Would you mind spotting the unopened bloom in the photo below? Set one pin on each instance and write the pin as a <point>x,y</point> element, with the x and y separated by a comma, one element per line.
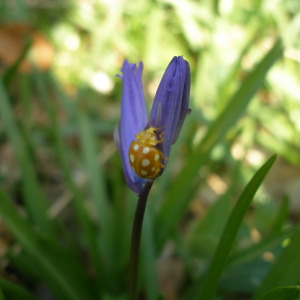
<point>143,142</point>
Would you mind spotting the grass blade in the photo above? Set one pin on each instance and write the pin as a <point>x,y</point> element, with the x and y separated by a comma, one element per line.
<point>99,196</point>
<point>13,291</point>
<point>89,233</point>
<point>282,293</point>
<point>171,214</point>
<point>35,199</point>
<point>96,176</point>
<point>11,71</point>
<point>266,244</point>
<point>228,236</point>
<point>1,295</point>
<point>281,215</point>
<point>148,255</point>
<point>285,270</point>
<point>69,285</point>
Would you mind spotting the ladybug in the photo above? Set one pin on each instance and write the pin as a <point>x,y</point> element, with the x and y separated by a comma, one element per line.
<point>144,158</point>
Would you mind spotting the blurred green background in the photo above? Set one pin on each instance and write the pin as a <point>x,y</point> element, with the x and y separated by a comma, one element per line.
<point>60,101</point>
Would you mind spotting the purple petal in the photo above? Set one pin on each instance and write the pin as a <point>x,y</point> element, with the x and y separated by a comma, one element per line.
<point>171,102</point>
<point>133,119</point>
<point>185,110</point>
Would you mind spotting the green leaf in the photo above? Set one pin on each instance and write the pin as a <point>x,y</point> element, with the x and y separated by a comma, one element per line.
<point>36,202</point>
<point>96,185</point>
<point>285,270</point>
<point>284,148</point>
<point>281,215</point>
<point>228,236</point>
<point>13,291</point>
<point>148,256</point>
<point>204,235</point>
<point>1,294</point>
<point>180,191</point>
<point>59,269</point>
<point>11,71</point>
<point>256,250</point>
<point>282,293</point>
<point>89,232</point>
<point>94,169</point>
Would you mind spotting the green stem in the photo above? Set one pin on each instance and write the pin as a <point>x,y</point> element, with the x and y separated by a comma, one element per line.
<point>136,240</point>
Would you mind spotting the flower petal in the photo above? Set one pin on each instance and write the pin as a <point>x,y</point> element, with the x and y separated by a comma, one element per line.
<point>133,119</point>
<point>171,102</point>
<point>185,110</point>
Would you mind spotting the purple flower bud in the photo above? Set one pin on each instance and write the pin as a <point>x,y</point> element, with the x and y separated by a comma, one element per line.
<point>171,102</point>
<point>170,107</point>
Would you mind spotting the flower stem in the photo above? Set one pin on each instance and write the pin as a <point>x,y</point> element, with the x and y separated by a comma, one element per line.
<point>136,240</point>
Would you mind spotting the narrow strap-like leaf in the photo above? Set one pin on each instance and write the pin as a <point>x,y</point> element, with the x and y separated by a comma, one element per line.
<point>220,257</point>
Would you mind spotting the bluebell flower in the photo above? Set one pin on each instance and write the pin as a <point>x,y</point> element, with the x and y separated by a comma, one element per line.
<point>158,132</point>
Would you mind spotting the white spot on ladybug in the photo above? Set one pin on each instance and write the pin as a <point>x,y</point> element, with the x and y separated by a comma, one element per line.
<point>156,157</point>
<point>146,150</point>
<point>136,147</point>
<point>144,172</point>
<point>145,162</point>
<point>131,156</point>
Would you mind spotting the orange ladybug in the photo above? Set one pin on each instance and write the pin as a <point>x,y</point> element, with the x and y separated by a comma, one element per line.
<point>144,158</point>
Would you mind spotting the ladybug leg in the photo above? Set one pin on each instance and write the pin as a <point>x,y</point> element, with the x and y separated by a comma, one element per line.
<point>163,157</point>
<point>160,137</point>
